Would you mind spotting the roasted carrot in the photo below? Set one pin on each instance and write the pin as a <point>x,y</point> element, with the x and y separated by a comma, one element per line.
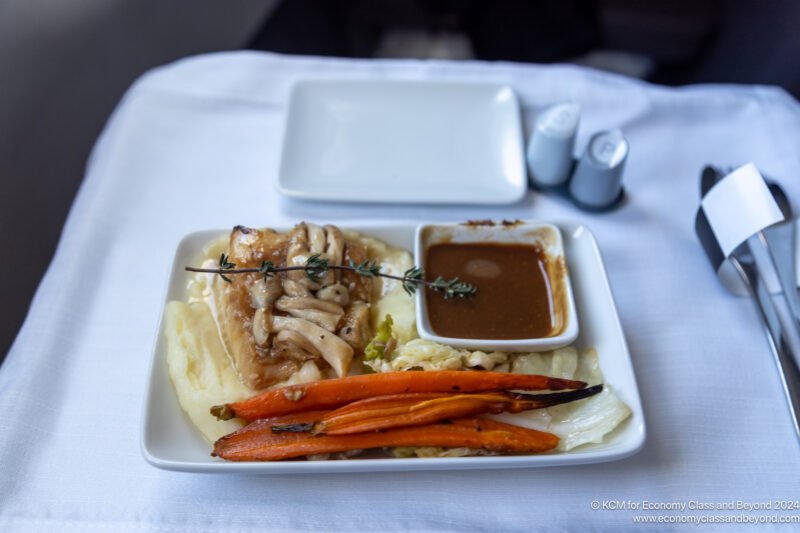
<point>242,439</point>
<point>334,393</point>
<point>261,444</point>
<point>415,409</point>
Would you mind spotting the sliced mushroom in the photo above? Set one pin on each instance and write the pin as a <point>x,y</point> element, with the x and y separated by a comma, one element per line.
<point>292,344</point>
<point>288,304</point>
<point>320,312</point>
<point>262,324</point>
<point>335,244</point>
<point>297,255</point>
<point>318,244</point>
<point>337,293</point>
<point>334,350</point>
<point>329,321</point>
<point>316,239</point>
<point>264,293</point>
<point>333,247</point>
<point>356,330</point>
<point>295,288</point>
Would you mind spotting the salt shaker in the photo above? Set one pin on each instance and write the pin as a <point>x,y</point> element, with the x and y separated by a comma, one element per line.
<point>552,143</point>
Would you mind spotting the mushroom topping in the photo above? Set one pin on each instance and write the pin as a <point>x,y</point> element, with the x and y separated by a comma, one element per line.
<point>273,326</point>
<point>334,350</point>
<point>295,288</point>
<point>333,252</point>
<point>262,321</point>
<point>322,319</point>
<point>298,340</point>
<point>316,239</point>
<point>290,344</point>
<point>323,313</point>
<point>337,293</point>
<point>288,304</point>
<point>335,244</point>
<point>355,329</point>
<point>264,293</point>
<point>319,242</point>
<point>297,255</point>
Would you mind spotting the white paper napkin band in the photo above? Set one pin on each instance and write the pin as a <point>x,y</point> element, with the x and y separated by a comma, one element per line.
<point>735,209</point>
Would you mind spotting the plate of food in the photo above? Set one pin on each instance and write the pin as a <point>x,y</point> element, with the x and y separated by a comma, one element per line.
<point>296,350</point>
<point>385,141</point>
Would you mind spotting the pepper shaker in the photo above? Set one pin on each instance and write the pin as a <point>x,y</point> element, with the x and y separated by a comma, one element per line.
<point>597,181</point>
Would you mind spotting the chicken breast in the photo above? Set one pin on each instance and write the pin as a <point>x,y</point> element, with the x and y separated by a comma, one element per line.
<point>272,327</point>
<point>235,302</point>
<point>360,287</point>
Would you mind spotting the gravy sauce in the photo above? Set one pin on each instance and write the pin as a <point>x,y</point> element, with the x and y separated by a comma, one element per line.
<point>515,292</point>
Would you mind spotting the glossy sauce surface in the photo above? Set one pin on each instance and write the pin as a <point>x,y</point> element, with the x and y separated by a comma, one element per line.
<point>514,299</point>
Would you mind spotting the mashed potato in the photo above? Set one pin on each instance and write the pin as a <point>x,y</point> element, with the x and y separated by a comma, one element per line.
<point>199,367</point>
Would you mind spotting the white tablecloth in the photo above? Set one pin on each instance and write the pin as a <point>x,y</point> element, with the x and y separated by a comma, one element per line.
<point>196,145</point>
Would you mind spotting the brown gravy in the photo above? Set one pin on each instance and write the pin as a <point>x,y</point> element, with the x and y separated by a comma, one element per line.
<point>515,297</point>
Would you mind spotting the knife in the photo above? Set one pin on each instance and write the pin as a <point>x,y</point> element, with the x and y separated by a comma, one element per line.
<point>780,240</point>
<point>779,344</point>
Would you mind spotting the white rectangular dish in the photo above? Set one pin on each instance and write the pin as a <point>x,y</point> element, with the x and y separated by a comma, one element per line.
<point>169,440</point>
<point>388,141</point>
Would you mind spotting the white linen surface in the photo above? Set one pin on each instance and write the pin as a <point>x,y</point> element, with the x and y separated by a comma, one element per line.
<point>196,145</point>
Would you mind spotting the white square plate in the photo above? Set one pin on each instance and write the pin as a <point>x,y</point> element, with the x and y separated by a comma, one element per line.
<point>403,142</point>
<point>170,441</point>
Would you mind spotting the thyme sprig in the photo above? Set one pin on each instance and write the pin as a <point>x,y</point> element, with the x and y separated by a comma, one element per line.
<point>368,269</point>
<point>413,276</point>
<point>224,266</point>
<point>317,266</point>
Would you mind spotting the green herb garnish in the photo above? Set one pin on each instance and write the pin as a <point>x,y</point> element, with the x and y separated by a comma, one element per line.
<point>317,266</point>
